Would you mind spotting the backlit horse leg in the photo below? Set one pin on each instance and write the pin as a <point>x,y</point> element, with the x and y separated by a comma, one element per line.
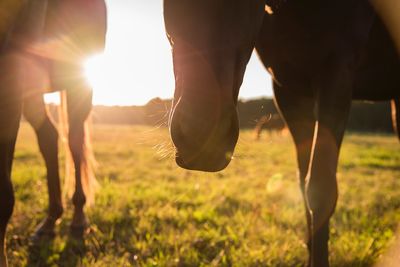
<point>297,111</point>
<point>10,110</point>
<point>396,116</point>
<point>321,193</point>
<point>35,112</point>
<point>6,188</point>
<point>79,104</point>
<point>333,105</point>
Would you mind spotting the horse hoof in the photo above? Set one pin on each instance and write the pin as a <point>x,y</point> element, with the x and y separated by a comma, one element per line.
<point>41,235</point>
<point>45,230</point>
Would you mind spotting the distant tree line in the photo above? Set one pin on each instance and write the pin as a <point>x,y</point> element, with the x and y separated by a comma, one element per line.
<point>364,116</point>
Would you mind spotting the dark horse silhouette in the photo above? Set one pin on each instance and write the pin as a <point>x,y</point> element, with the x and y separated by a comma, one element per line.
<point>321,54</point>
<point>42,47</point>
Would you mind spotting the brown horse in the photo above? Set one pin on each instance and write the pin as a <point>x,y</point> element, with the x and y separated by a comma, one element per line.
<point>43,46</point>
<point>270,123</point>
<point>321,56</point>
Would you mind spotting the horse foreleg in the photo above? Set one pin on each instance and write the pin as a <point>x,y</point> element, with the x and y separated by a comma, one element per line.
<point>297,111</point>
<point>10,110</point>
<point>79,104</point>
<point>396,116</point>
<point>35,113</point>
<point>333,105</point>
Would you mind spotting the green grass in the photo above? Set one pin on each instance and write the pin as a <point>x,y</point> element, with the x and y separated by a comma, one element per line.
<point>149,212</point>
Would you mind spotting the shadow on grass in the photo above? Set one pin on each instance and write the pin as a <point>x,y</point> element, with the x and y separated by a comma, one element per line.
<point>73,252</point>
<point>42,253</point>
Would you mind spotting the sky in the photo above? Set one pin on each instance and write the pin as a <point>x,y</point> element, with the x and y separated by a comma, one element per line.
<point>137,64</point>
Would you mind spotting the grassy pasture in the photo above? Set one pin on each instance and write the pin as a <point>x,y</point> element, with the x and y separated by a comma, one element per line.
<point>148,212</point>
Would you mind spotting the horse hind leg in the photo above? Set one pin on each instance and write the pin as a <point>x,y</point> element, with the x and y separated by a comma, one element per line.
<point>36,114</point>
<point>10,110</point>
<point>395,103</point>
<point>79,104</point>
<point>6,190</point>
<point>7,144</point>
<point>298,114</point>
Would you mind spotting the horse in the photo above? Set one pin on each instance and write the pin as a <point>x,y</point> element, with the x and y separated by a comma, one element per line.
<point>270,123</point>
<point>42,48</point>
<point>321,55</point>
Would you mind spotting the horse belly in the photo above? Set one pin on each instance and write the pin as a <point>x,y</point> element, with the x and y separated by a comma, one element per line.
<point>378,75</point>
<point>380,83</point>
<point>74,30</point>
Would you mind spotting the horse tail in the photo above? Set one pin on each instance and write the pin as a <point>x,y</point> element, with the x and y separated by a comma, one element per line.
<point>68,187</point>
<point>88,162</point>
<point>395,103</point>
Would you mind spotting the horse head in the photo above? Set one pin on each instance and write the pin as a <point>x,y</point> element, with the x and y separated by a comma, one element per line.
<point>212,41</point>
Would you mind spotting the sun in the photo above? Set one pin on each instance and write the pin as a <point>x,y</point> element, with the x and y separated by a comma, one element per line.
<point>94,69</point>
<point>101,73</point>
<point>136,64</point>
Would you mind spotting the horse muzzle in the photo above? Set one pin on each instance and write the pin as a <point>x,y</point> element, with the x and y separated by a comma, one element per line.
<point>204,141</point>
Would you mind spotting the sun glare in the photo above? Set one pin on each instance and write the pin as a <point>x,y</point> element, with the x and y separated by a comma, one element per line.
<point>94,67</point>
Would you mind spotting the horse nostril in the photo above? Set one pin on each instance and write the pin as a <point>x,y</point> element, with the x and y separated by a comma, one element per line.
<point>180,161</point>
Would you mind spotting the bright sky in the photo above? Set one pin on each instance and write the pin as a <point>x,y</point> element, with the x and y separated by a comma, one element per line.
<point>137,64</point>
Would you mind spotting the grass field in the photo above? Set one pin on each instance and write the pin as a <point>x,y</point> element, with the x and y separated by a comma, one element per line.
<point>149,212</point>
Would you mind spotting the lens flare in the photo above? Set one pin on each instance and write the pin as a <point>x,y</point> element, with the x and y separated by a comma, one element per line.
<point>94,69</point>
